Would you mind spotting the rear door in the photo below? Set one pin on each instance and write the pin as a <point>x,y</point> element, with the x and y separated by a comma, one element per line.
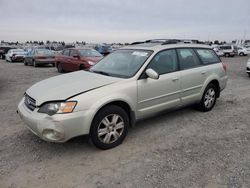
<point>192,75</point>
<point>157,95</point>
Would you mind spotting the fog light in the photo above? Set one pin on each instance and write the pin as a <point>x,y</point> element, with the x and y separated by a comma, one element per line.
<point>52,135</point>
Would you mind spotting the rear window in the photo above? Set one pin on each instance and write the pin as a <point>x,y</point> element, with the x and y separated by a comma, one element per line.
<point>207,56</point>
<point>89,53</point>
<point>44,52</point>
<point>187,58</point>
<point>226,47</point>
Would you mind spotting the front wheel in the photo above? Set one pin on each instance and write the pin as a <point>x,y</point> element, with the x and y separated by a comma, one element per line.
<point>109,127</point>
<point>249,74</point>
<point>209,98</point>
<point>60,68</point>
<point>35,63</point>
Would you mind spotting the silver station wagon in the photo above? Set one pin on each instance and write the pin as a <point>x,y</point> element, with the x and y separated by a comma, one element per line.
<point>132,83</point>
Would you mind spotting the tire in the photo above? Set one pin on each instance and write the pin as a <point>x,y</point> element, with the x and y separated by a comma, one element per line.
<point>227,54</point>
<point>11,60</point>
<point>81,67</point>
<point>60,68</point>
<point>209,98</point>
<point>25,62</point>
<point>249,74</point>
<point>35,63</point>
<point>241,54</point>
<point>53,64</point>
<point>114,123</point>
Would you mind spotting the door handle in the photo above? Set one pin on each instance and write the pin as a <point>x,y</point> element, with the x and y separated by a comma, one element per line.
<point>175,79</point>
<point>204,72</point>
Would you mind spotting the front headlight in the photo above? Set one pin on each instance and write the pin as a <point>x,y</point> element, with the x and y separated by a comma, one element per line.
<point>91,63</point>
<point>58,107</point>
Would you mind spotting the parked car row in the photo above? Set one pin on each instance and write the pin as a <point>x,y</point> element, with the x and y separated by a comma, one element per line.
<point>38,57</point>
<point>231,50</point>
<point>70,59</point>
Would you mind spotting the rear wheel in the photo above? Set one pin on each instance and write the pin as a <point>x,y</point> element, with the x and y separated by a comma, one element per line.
<point>53,64</point>
<point>241,54</point>
<point>249,74</point>
<point>60,68</point>
<point>25,62</point>
<point>209,98</point>
<point>227,54</point>
<point>109,127</point>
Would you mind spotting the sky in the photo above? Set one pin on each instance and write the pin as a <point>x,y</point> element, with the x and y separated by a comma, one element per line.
<point>123,20</point>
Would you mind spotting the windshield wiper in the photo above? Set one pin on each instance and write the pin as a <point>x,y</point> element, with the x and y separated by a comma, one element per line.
<point>101,72</point>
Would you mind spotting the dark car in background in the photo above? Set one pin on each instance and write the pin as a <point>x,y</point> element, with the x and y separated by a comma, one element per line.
<point>38,57</point>
<point>74,59</point>
<point>4,50</point>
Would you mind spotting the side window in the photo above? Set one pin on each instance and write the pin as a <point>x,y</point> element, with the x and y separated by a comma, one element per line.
<point>207,56</point>
<point>164,62</point>
<point>66,52</point>
<point>73,53</point>
<point>187,58</point>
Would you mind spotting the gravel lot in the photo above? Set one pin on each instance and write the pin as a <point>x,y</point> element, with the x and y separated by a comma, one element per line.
<point>184,148</point>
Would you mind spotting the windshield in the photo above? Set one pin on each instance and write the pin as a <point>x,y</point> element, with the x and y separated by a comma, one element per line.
<point>18,50</point>
<point>122,63</point>
<point>44,52</point>
<point>89,53</point>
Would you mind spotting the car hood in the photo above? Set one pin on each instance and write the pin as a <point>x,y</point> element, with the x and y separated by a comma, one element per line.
<point>65,86</point>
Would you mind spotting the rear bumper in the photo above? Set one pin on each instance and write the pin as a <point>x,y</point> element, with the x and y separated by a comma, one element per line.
<point>223,82</point>
<point>45,61</point>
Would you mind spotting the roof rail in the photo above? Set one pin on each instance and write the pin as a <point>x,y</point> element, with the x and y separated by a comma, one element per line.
<point>172,41</point>
<point>160,41</point>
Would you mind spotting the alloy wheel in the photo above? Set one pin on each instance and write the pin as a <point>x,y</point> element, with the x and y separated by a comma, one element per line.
<point>110,128</point>
<point>209,98</point>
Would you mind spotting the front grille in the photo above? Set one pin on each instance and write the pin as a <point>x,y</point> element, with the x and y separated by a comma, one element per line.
<point>29,102</point>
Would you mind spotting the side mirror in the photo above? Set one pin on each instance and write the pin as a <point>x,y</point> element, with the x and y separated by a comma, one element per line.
<point>152,74</point>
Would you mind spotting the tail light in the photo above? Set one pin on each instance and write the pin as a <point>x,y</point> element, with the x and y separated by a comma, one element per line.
<point>224,66</point>
<point>41,57</point>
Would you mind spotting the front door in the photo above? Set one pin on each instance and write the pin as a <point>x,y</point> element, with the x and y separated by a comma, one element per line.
<point>163,93</point>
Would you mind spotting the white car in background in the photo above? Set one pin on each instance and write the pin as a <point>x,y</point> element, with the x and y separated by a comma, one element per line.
<point>248,67</point>
<point>15,55</point>
<point>218,51</point>
<point>242,51</point>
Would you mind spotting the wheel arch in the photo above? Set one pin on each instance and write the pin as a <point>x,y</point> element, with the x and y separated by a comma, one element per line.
<point>217,85</point>
<point>212,80</point>
<point>122,104</point>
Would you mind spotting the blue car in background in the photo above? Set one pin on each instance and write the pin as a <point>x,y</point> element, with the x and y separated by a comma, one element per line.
<point>103,49</point>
